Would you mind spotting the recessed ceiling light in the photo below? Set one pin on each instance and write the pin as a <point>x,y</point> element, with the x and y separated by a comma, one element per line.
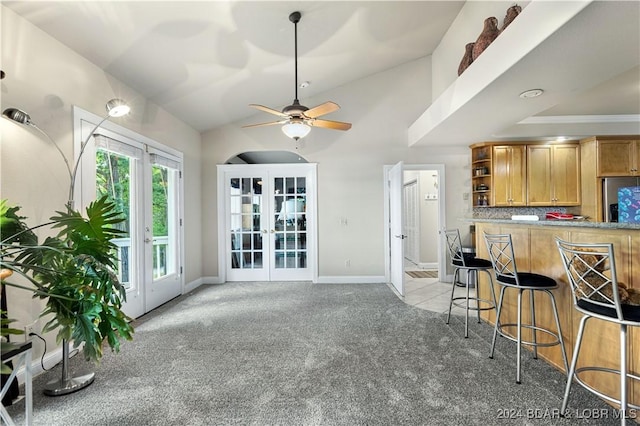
<point>304,84</point>
<point>533,93</point>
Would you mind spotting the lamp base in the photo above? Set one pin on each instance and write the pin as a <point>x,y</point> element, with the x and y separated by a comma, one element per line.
<point>70,385</point>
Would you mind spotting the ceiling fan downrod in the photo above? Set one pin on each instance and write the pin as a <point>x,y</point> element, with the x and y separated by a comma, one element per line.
<point>295,18</point>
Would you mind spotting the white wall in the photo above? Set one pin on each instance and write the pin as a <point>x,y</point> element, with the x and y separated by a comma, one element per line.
<point>350,166</point>
<point>45,78</point>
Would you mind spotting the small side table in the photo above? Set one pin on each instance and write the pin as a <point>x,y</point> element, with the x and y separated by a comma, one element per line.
<point>22,355</point>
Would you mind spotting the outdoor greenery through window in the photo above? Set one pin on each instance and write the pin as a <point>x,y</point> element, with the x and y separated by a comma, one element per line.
<point>113,179</point>
<point>160,188</point>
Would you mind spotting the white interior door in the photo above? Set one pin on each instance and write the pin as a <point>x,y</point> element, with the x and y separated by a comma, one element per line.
<point>269,223</point>
<point>396,237</point>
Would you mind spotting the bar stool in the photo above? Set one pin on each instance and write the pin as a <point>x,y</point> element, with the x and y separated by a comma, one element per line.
<point>500,248</point>
<point>472,265</point>
<point>595,295</point>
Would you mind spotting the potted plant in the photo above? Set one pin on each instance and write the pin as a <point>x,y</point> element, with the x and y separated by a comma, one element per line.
<point>73,271</point>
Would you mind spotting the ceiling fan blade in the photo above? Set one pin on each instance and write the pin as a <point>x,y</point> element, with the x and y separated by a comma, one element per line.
<point>336,125</point>
<point>271,123</point>
<point>269,110</point>
<point>322,109</point>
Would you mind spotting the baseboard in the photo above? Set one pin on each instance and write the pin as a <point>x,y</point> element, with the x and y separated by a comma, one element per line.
<point>50,360</point>
<point>351,279</point>
<point>211,280</point>
<point>428,265</point>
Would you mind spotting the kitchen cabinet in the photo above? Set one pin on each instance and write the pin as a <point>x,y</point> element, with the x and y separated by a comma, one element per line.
<point>553,175</point>
<point>509,176</point>
<point>481,175</point>
<point>618,157</point>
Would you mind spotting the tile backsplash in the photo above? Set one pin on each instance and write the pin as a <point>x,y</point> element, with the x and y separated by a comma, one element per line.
<point>507,212</point>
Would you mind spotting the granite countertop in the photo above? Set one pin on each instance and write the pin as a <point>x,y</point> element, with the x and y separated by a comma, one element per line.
<point>572,223</point>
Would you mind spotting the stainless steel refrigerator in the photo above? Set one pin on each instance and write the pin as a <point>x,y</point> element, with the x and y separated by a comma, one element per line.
<point>610,188</point>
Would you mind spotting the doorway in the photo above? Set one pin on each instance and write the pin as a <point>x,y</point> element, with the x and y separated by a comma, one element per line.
<point>414,212</point>
<point>144,180</point>
<point>268,230</point>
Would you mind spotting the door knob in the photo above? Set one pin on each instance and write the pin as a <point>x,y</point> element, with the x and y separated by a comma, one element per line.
<point>148,240</point>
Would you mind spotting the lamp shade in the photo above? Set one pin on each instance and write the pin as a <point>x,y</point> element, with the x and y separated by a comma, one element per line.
<point>18,115</point>
<point>296,129</point>
<point>117,108</point>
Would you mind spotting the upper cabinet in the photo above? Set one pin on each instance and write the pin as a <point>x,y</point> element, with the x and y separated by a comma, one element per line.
<point>553,175</point>
<point>617,157</point>
<point>481,175</point>
<point>509,176</point>
<point>535,174</point>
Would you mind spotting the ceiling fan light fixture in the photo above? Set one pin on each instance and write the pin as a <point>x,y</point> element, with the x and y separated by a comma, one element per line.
<point>296,129</point>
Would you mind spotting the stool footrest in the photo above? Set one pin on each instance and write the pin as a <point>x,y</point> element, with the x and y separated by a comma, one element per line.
<point>597,392</point>
<point>473,308</point>
<point>530,327</point>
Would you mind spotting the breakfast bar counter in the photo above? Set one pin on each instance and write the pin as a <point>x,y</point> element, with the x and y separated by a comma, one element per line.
<point>536,251</point>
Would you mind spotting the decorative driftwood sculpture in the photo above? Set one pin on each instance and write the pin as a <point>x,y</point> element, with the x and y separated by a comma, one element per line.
<point>512,12</point>
<point>486,37</point>
<point>467,59</point>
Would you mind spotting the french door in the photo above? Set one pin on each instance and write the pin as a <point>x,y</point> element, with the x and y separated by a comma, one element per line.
<point>144,183</point>
<point>269,222</point>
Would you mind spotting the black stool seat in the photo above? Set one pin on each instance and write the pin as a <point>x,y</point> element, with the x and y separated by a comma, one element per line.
<point>528,279</point>
<point>629,312</point>
<point>472,262</point>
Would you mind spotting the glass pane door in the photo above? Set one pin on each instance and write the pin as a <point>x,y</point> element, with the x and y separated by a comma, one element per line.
<point>269,234</point>
<point>246,231</point>
<point>117,175</point>
<point>162,235</point>
<point>114,179</point>
<point>144,182</point>
<point>290,224</point>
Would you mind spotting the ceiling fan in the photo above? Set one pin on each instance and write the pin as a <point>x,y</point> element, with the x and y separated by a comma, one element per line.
<point>297,119</point>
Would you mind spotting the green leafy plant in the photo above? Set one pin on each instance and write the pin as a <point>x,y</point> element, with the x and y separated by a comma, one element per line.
<point>73,271</point>
<point>7,346</point>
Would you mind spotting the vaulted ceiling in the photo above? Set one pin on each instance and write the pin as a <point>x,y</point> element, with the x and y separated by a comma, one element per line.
<point>205,61</point>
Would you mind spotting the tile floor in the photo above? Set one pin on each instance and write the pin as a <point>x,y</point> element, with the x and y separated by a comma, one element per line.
<point>432,295</point>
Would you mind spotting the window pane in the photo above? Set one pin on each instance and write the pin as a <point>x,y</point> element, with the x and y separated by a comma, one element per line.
<point>114,179</point>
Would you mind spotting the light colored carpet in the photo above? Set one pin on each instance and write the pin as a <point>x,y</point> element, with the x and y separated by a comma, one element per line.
<point>307,354</point>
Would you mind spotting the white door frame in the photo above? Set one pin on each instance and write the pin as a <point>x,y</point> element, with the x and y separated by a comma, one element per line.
<point>311,209</point>
<point>440,168</point>
<point>85,192</point>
